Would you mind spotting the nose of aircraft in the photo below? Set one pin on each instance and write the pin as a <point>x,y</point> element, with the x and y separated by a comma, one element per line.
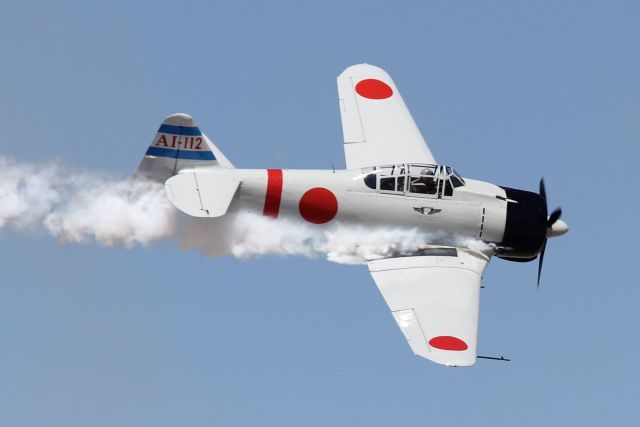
<point>526,223</point>
<point>558,228</point>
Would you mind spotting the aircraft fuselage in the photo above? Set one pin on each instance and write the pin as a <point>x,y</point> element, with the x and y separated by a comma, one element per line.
<point>475,210</point>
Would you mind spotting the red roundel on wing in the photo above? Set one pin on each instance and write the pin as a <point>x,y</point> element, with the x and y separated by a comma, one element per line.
<point>318,205</point>
<point>374,89</point>
<point>444,342</point>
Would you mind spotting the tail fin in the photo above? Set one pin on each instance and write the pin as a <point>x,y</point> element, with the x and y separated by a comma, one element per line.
<point>178,145</point>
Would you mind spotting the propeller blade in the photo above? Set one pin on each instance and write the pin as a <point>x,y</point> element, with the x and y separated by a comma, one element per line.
<point>555,215</point>
<point>543,191</point>
<point>544,246</point>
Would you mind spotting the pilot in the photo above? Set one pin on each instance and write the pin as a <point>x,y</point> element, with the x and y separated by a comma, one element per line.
<point>425,183</point>
<point>427,171</point>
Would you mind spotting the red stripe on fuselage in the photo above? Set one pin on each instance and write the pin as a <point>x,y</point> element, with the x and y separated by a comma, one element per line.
<point>274,193</point>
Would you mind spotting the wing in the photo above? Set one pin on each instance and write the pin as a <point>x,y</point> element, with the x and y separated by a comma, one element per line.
<point>435,300</point>
<point>377,126</point>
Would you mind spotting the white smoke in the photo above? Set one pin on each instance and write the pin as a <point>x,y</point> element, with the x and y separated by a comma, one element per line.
<point>80,206</point>
<point>247,235</point>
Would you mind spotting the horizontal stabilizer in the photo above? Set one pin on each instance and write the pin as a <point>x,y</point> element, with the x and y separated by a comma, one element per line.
<point>201,194</point>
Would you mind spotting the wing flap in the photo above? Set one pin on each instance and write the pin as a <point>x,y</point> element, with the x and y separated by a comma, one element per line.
<point>351,124</point>
<point>435,301</point>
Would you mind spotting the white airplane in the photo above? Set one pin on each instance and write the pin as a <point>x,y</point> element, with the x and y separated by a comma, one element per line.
<point>391,179</point>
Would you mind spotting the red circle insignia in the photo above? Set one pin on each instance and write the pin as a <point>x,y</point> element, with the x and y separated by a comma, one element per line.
<point>445,342</point>
<point>374,89</point>
<point>318,205</point>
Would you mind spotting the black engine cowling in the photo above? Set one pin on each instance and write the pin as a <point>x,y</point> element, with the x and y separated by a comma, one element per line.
<point>526,225</point>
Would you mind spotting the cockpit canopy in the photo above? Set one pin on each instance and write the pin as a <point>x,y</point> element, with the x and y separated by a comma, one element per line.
<point>413,178</point>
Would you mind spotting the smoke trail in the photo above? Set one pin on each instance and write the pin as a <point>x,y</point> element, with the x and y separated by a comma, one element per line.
<point>247,235</point>
<point>80,206</point>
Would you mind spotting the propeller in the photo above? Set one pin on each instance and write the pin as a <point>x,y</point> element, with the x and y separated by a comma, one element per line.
<point>553,218</point>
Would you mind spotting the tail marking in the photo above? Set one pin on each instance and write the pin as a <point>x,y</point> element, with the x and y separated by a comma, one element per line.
<point>180,142</point>
<point>274,193</point>
<point>180,154</point>
<point>179,130</point>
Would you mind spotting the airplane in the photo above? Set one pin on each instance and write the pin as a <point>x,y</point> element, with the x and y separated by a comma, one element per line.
<point>391,178</point>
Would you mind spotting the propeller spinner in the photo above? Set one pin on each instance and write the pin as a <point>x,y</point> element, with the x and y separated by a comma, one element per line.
<point>555,227</point>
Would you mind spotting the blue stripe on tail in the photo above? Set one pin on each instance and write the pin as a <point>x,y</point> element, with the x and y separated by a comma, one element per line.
<point>180,154</point>
<point>179,130</point>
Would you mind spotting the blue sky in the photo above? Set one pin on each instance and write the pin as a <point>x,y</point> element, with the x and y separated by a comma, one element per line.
<point>504,91</point>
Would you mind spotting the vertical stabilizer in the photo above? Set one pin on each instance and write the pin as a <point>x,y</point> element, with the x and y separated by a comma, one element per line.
<point>179,144</point>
